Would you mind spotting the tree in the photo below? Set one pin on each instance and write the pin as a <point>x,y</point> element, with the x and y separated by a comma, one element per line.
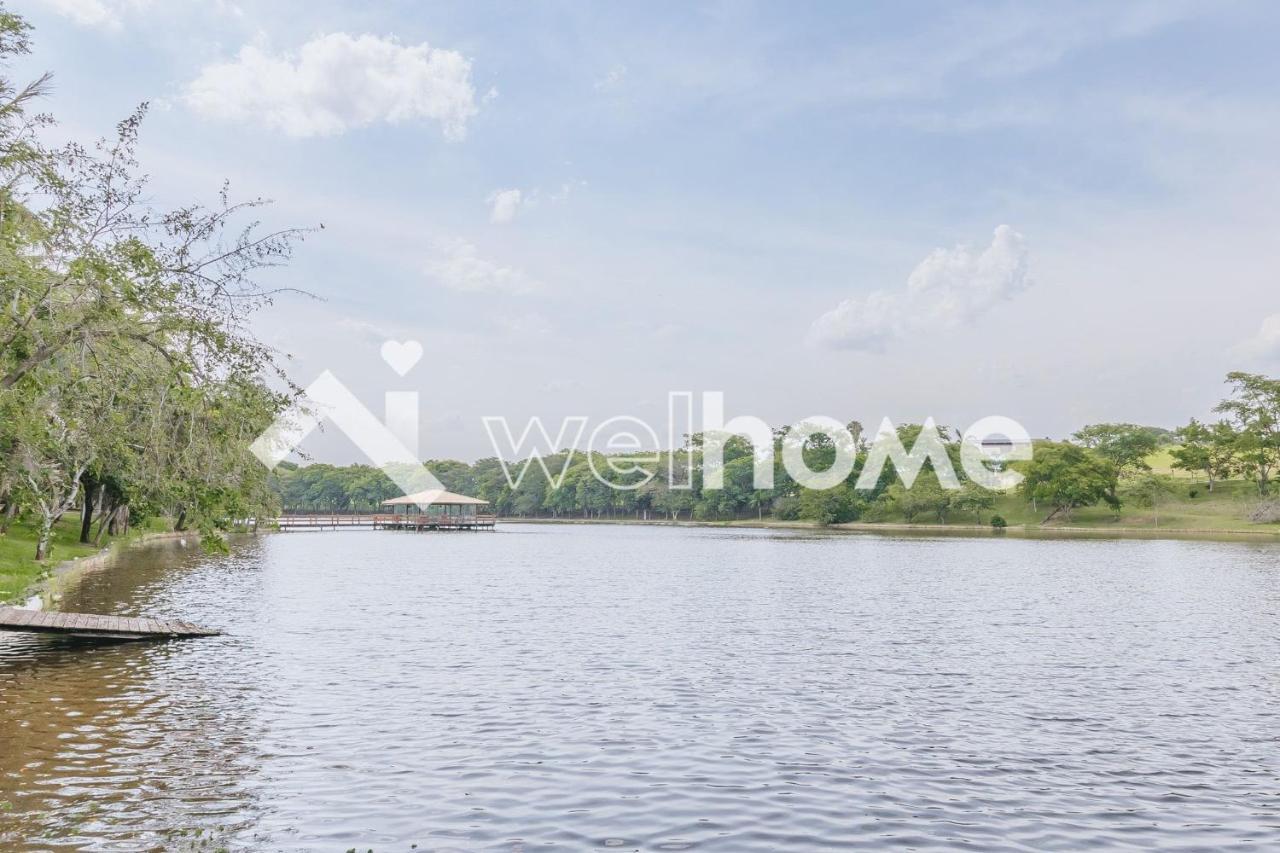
<point>1125,447</point>
<point>1254,408</point>
<point>1067,476</point>
<point>1152,490</point>
<point>836,505</point>
<point>925,497</point>
<point>127,376</point>
<point>973,498</point>
<point>1208,449</point>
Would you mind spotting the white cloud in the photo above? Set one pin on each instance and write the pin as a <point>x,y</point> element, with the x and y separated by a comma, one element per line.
<point>947,288</point>
<point>566,189</point>
<point>611,80</point>
<point>505,205</point>
<point>337,82</point>
<point>111,15</point>
<point>1263,346</point>
<point>456,264</point>
<point>92,13</point>
<point>530,324</point>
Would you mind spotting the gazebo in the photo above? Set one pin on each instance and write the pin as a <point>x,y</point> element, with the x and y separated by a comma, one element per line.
<point>435,509</point>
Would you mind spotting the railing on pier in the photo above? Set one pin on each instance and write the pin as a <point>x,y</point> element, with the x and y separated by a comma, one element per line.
<point>435,522</point>
<point>386,521</point>
<point>316,521</point>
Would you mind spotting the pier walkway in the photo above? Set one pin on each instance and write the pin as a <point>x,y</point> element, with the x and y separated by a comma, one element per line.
<point>387,521</point>
<point>87,625</point>
<point>323,522</point>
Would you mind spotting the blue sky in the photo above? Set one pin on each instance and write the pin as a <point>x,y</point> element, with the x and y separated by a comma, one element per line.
<point>755,198</point>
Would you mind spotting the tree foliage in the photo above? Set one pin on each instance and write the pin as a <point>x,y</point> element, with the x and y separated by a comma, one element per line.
<point>128,379</point>
<point>1254,411</point>
<point>1208,449</point>
<point>1066,476</point>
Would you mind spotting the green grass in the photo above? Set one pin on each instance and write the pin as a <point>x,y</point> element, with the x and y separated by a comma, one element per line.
<point>1161,462</point>
<point>1226,509</point>
<point>18,567</point>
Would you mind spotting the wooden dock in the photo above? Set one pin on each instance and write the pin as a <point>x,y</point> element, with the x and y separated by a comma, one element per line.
<point>323,522</point>
<point>386,521</point>
<point>106,627</point>
<point>422,523</point>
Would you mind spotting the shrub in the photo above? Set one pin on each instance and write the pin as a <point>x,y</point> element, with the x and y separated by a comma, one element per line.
<point>998,522</point>
<point>786,509</point>
<point>878,511</point>
<point>1194,492</point>
<point>1267,512</point>
<point>828,506</point>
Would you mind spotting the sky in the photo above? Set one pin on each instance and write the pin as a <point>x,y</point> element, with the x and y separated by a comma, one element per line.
<point>1062,214</point>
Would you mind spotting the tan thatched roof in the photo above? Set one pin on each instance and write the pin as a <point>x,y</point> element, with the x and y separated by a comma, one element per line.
<point>434,496</point>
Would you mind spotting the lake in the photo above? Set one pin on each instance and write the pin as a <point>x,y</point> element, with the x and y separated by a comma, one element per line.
<point>657,688</point>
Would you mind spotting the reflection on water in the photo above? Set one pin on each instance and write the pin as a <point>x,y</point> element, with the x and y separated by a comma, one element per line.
<point>656,688</point>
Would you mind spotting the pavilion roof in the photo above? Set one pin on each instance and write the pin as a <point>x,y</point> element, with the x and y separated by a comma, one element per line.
<point>434,496</point>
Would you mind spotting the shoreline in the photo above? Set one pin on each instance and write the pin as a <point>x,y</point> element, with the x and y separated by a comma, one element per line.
<point>891,528</point>
<point>46,593</point>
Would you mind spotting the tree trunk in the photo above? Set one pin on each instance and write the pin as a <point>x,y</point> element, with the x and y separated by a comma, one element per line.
<point>181,524</point>
<point>1050,516</point>
<point>46,532</point>
<point>107,522</point>
<point>86,517</point>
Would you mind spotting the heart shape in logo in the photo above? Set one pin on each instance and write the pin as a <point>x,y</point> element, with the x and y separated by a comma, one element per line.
<point>402,356</point>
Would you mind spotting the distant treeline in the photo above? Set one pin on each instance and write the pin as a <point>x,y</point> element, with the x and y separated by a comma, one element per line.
<point>1090,468</point>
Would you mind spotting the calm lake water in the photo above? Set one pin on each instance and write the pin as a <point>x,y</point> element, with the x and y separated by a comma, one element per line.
<point>651,688</point>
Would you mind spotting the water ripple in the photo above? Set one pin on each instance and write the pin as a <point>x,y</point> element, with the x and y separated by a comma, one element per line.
<point>657,689</point>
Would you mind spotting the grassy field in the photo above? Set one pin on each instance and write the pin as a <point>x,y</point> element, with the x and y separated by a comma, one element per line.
<point>1161,462</point>
<point>1225,509</point>
<point>18,568</point>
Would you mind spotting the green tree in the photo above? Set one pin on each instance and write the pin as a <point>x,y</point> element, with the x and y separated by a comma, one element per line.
<point>1152,491</point>
<point>1208,449</point>
<point>973,499</point>
<point>836,505</point>
<point>128,380</point>
<point>1066,476</point>
<point>1254,408</point>
<point>1125,447</point>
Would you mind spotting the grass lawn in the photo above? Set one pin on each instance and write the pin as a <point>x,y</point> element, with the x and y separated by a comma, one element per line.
<point>18,568</point>
<point>1227,508</point>
<point>1161,462</point>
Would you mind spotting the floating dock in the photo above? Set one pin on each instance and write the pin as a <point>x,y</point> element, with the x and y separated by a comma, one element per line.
<point>105,627</point>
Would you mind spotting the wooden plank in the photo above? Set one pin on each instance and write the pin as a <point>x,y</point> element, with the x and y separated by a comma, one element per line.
<point>88,624</point>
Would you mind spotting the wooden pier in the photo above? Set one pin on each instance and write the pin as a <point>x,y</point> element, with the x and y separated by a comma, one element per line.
<point>324,522</point>
<point>387,521</point>
<point>435,522</point>
<point>105,627</point>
